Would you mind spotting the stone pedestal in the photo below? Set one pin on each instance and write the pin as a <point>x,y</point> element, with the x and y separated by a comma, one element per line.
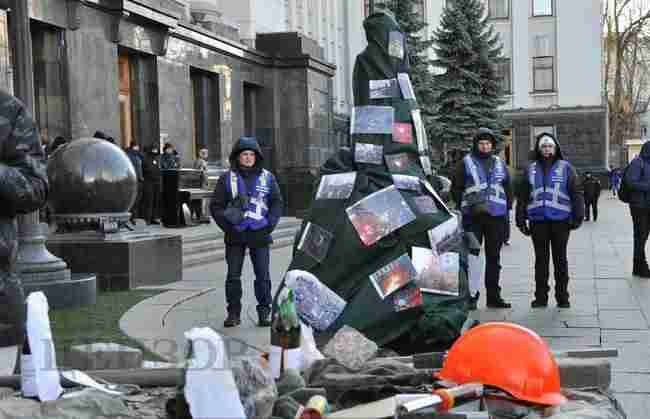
<point>122,261</point>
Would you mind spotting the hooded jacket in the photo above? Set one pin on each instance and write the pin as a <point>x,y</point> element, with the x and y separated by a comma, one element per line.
<point>458,175</point>
<point>637,177</point>
<point>23,189</point>
<point>574,185</point>
<point>221,197</point>
<point>151,166</point>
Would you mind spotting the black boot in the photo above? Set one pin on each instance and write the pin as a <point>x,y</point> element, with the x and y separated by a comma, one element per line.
<point>641,269</point>
<point>539,303</point>
<point>264,316</point>
<point>473,301</point>
<point>494,300</point>
<point>232,320</point>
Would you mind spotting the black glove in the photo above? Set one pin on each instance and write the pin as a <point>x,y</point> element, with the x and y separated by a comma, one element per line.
<point>575,224</point>
<point>523,227</point>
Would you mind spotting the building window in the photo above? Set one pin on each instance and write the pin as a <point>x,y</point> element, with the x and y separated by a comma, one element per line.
<point>542,7</point>
<point>498,9</point>
<point>540,129</point>
<point>504,76</point>
<point>205,110</point>
<point>543,74</point>
<point>50,91</point>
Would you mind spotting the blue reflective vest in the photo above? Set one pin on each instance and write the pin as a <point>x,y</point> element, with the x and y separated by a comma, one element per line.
<point>256,215</point>
<point>549,195</point>
<point>485,188</point>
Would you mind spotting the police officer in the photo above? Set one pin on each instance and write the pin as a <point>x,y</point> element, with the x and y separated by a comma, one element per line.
<point>247,205</point>
<point>481,184</point>
<point>550,203</point>
<point>23,189</point>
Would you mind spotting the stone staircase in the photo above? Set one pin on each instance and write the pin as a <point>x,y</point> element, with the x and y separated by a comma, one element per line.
<point>206,247</point>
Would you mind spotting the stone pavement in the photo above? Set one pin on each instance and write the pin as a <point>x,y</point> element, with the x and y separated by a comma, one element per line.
<point>610,308</point>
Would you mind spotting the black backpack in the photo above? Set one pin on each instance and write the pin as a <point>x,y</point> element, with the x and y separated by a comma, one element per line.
<point>624,191</point>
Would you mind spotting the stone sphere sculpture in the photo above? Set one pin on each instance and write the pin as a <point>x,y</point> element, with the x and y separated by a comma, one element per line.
<point>91,181</point>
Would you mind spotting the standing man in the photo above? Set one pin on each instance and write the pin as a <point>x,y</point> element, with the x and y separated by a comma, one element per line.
<point>591,186</point>
<point>201,163</point>
<point>23,189</point>
<point>481,188</point>
<point>550,203</point>
<point>637,178</point>
<point>137,160</point>
<point>151,186</point>
<point>247,205</point>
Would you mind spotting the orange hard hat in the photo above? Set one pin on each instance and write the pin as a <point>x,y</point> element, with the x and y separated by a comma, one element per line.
<point>507,356</point>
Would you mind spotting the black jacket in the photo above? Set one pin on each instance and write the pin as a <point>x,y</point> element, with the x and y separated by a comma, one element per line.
<point>637,177</point>
<point>23,189</point>
<point>221,197</point>
<point>574,186</point>
<point>151,167</point>
<point>137,160</point>
<point>592,188</point>
<point>458,175</point>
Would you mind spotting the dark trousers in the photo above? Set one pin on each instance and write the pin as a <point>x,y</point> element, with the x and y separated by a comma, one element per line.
<point>507,228</point>
<point>260,256</point>
<point>136,209</point>
<point>589,206</point>
<point>641,225</point>
<point>492,230</point>
<point>151,204</point>
<point>551,236</point>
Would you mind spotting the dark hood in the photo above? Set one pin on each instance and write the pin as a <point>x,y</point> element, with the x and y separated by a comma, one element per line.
<point>645,151</point>
<point>484,132</point>
<point>378,26</point>
<point>246,143</point>
<point>558,150</point>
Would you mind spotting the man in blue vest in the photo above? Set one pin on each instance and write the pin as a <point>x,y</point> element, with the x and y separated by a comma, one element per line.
<point>481,189</point>
<point>550,203</point>
<point>247,205</point>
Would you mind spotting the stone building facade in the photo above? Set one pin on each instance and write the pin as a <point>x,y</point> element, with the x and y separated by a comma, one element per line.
<point>141,72</point>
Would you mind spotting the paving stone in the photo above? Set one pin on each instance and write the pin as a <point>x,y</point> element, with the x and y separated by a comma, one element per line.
<point>635,405</point>
<point>169,297</point>
<point>632,357</point>
<point>103,356</point>
<point>582,373</point>
<point>622,319</point>
<point>625,382</point>
<point>560,332</point>
<point>615,337</point>
<point>582,322</point>
<point>582,342</point>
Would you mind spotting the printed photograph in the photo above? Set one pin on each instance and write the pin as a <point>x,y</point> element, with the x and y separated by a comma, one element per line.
<point>315,241</point>
<point>436,274</point>
<point>396,45</point>
<point>445,234</point>
<point>379,214</point>
<point>393,276</point>
<point>408,297</point>
<point>403,133</point>
<point>420,132</point>
<point>372,120</point>
<point>368,153</point>
<point>405,86</point>
<point>398,163</point>
<point>406,182</point>
<point>338,186</point>
<point>317,305</point>
<point>425,205</point>
<point>382,89</point>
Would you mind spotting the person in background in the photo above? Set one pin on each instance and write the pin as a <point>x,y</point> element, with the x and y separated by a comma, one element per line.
<point>550,203</point>
<point>617,178</point>
<point>169,159</point>
<point>58,142</point>
<point>201,163</point>
<point>247,205</point>
<point>137,159</point>
<point>482,190</point>
<point>637,178</point>
<point>151,185</point>
<point>591,186</point>
<point>102,136</point>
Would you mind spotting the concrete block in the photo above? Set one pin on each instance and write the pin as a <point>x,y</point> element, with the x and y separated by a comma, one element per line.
<point>103,356</point>
<point>582,373</point>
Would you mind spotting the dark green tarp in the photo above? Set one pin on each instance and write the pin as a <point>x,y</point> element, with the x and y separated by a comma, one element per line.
<point>348,263</point>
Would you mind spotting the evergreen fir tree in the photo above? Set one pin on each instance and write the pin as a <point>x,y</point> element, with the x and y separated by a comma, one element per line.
<point>467,93</point>
<point>415,28</point>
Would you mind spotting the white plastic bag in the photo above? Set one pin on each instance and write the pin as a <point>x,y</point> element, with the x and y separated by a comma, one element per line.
<point>210,388</point>
<point>310,352</point>
<point>39,334</point>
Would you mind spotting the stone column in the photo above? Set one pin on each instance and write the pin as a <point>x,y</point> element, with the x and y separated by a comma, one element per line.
<point>35,263</point>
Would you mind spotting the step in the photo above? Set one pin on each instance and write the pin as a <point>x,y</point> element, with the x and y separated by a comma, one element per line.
<point>216,233</point>
<point>206,258</point>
